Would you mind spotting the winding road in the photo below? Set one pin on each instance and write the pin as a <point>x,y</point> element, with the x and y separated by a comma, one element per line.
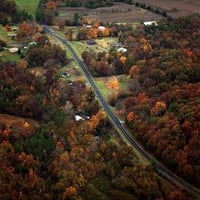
<point>160,169</point>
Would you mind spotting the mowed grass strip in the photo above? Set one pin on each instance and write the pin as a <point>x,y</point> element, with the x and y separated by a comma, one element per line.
<point>79,47</point>
<point>29,5</point>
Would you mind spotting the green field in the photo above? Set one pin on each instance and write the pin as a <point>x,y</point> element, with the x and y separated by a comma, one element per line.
<point>3,34</point>
<point>79,47</point>
<point>29,5</point>
<point>6,56</point>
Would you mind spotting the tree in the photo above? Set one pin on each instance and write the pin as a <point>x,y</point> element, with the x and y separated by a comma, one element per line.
<point>41,144</point>
<point>51,5</point>
<point>119,67</point>
<point>8,10</point>
<point>76,19</point>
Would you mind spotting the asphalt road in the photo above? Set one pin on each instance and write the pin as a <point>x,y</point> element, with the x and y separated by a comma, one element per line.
<point>160,169</point>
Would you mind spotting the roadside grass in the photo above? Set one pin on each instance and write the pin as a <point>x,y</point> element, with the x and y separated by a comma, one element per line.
<point>101,86</point>
<point>108,93</point>
<point>102,81</point>
<point>29,5</point>
<point>79,47</point>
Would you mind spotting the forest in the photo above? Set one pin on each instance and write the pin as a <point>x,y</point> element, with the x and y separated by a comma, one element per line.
<point>46,154</point>
<point>162,103</point>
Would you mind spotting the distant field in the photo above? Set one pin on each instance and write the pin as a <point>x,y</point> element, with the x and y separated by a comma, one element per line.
<point>29,5</point>
<point>119,13</point>
<point>175,8</point>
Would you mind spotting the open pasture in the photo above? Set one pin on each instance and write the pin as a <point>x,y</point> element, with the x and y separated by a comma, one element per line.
<point>29,5</point>
<point>118,13</point>
<point>175,8</point>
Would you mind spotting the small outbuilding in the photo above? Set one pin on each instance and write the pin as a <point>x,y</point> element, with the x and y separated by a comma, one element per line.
<point>13,50</point>
<point>91,42</point>
<point>122,50</point>
<point>150,23</point>
<point>101,28</point>
<point>78,118</point>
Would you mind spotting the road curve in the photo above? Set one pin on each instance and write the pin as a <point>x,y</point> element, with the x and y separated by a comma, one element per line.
<point>160,169</point>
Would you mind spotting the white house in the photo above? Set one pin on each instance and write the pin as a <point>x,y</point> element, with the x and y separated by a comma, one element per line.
<point>78,118</point>
<point>13,50</point>
<point>150,23</point>
<point>122,49</point>
<point>101,28</point>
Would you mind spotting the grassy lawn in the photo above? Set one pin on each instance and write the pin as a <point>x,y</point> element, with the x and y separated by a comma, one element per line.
<point>6,56</point>
<point>79,47</point>
<point>4,35</point>
<point>101,45</point>
<point>101,86</point>
<point>102,81</point>
<point>29,5</point>
<point>106,42</point>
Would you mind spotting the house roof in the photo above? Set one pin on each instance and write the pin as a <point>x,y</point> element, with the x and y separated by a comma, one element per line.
<point>78,118</point>
<point>13,50</point>
<point>150,23</point>
<point>102,28</point>
<point>122,49</point>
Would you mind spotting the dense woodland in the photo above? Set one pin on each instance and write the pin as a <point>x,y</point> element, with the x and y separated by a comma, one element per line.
<point>45,153</point>
<point>55,157</point>
<point>165,115</point>
<point>163,102</point>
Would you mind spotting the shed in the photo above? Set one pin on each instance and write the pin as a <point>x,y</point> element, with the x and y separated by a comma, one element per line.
<point>78,118</point>
<point>122,49</point>
<point>150,23</point>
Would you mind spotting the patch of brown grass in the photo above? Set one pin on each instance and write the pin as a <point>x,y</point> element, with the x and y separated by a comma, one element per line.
<point>18,126</point>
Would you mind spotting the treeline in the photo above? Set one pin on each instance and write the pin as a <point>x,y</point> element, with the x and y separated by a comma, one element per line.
<point>90,3</point>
